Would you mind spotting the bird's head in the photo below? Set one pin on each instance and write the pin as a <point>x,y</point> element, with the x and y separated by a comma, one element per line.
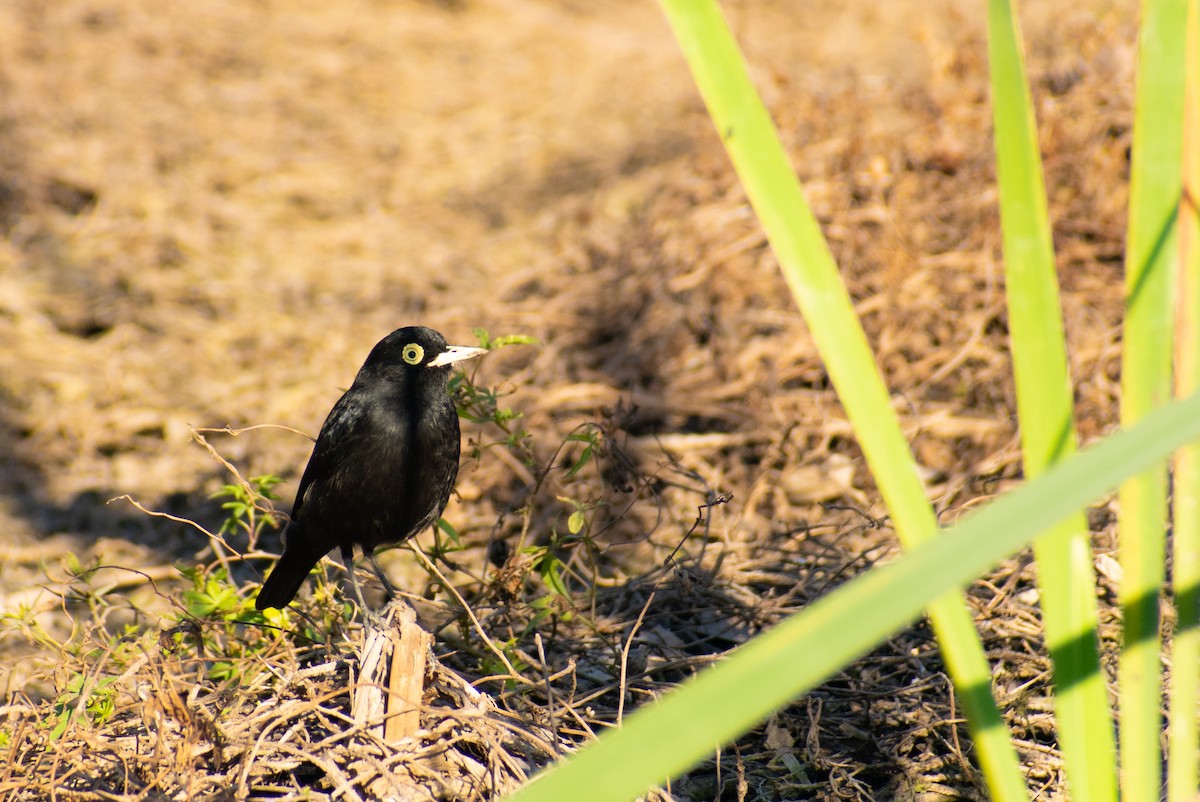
<point>418,348</point>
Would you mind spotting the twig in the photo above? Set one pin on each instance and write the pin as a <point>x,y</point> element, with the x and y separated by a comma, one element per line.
<point>430,565</point>
<point>625,654</point>
<point>537,638</point>
<point>218,543</point>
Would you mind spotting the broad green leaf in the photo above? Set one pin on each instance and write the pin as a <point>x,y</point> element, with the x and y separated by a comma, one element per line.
<point>1045,402</point>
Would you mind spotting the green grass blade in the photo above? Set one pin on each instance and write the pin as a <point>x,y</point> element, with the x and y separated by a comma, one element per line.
<point>661,740</point>
<point>1183,737</point>
<point>774,191</point>
<point>1150,274</point>
<point>1044,405</point>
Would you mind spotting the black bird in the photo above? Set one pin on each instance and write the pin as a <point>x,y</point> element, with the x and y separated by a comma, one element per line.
<point>383,465</point>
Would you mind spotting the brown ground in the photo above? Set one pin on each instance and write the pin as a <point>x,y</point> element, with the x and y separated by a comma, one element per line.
<point>211,211</point>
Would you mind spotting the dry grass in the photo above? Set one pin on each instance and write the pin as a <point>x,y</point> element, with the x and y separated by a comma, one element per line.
<point>211,211</point>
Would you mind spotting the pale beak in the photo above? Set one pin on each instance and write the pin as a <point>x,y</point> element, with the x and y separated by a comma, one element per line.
<point>455,353</point>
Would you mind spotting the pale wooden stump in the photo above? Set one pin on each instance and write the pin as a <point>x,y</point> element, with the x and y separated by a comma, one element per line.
<point>387,697</point>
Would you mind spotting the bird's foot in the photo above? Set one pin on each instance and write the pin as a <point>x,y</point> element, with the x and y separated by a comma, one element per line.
<point>372,619</point>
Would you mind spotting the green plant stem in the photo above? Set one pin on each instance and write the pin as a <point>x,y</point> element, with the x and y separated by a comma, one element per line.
<point>1044,403</point>
<point>1150,284</point>
<point>1183,736</point>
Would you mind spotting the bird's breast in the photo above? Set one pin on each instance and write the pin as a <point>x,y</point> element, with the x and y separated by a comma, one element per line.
<point>413,467</point>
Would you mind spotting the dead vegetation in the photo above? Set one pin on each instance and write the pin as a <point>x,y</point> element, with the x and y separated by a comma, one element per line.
<point>209,211</point>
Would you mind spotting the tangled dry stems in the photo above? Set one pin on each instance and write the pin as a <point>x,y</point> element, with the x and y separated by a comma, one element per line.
<point>492,715</point>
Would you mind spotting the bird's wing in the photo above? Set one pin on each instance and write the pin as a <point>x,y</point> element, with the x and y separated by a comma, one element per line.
<point>342,429</point>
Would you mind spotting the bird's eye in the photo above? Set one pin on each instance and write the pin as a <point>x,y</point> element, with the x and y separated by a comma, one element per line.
<point>413,354</point>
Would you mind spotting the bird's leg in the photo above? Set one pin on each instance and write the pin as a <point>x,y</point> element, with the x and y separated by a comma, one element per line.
<point>388,590</point>
<point>347,553</point>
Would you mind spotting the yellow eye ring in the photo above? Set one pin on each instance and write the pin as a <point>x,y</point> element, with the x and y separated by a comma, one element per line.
<point>413,354</point>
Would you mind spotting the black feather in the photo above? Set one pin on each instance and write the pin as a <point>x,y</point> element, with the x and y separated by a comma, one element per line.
<point>384,463</point>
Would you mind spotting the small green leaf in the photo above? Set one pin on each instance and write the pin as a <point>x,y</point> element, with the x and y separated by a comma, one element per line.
<point>449,530</point>
<point>576,522</point>
<point>505,414</point>
<point>263,485</point>
<point>228,490</point>
<point>584,458</point>
<point>550,569</point>
<point>63,716</point>
<point>515,339</point>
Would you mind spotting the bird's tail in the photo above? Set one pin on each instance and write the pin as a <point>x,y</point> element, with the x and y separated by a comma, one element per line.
<point>286,578</point>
